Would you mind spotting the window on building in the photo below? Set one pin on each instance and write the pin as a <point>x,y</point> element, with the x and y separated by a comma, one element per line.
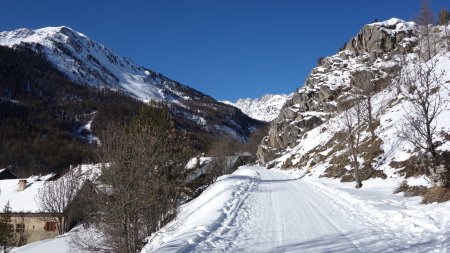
<point>50,226</point>
<point>20,228</point>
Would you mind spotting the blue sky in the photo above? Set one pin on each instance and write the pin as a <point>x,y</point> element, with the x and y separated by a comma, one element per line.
<point>227,49</point>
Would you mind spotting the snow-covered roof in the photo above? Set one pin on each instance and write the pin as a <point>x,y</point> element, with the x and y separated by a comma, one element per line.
<point>21,201</point>
<point>25,201</point>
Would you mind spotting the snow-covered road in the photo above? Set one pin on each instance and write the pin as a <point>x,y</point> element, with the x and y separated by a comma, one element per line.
<point>272,211</point>
<point>285,214</point>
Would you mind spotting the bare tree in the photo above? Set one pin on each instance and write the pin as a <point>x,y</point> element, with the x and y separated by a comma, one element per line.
<point>140,183</point>
<point>420,86</point>
<point>365,89</point>
<point>424,19</point>
<point>444,17</point>
<point>350,117</point>
<point>56,196</point>
<point>220,165</point>
<point>23,233</point>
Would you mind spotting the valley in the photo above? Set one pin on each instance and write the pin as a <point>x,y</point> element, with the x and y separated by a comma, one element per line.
<point>101,154</point>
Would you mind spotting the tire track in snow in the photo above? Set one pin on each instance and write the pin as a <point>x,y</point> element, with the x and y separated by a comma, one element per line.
<point>332,222</point>
<point>384,225</point>
<point>234,213</point>
<point>272,211</point>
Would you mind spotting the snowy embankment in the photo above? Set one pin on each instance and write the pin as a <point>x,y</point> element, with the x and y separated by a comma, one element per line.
<point>57,245</point>
<point>208,215</point>
<point>259,210</point>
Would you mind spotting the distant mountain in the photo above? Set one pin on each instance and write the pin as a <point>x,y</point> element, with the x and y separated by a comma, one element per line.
<point>265,108</point>
<point>87,62</point>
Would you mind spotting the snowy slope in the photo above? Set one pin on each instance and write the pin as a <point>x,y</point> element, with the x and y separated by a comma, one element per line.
<point>306,133</point>
<point>60,244</point>
<point>265,108</point>
<point>259,210</point>
<point>314,150</point>
<point>88,62</point>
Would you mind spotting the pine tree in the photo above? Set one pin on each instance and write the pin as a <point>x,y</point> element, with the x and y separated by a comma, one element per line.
<point>444,17</point>
<point>7,236</point>
<point>424,19</point>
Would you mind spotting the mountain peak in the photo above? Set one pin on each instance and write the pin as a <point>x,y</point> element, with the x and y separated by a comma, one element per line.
<point>265,108</point>
<point>86,61</point>
<point>26,35</point>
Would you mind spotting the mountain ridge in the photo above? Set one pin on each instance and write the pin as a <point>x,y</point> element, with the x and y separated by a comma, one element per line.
<point>90,63</point>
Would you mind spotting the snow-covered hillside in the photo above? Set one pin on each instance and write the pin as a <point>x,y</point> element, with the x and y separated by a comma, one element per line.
<point>265,108</point>
<point>310,132</point>
<point>88,62</point>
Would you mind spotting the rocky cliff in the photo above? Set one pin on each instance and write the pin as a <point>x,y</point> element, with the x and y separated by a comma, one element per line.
<point>312,130</point>
<point>374,48</point>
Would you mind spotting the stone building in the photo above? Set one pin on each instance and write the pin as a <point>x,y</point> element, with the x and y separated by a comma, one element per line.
<point>29,223</point>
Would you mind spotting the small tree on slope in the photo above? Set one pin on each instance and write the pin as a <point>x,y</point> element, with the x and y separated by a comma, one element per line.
<point>421,82</point>
<point>444,17</point>
<point>424,19</point>
<point>365,89</point>
<point>350,117</point>
<point>7,236</point>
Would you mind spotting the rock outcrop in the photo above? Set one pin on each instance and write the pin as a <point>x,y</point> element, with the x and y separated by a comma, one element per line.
<point>380,38</point>
<point>374,49</point>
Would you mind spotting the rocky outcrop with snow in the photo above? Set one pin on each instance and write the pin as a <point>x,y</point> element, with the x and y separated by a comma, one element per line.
<point>265,108</point>
<point>88,62</point>
<point>307,132</point>
<point>310,106</point>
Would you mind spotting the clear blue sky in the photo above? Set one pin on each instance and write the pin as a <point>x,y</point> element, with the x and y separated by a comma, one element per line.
<point>227,49</point>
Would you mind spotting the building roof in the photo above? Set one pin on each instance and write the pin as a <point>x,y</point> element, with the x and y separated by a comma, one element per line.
<point>7,174</point>
<point>25,201</point>
<point>20,201</point>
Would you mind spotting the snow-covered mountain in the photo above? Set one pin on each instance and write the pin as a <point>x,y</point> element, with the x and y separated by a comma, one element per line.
<point>310,131</point>
<point>88,62</point>
<point>85,61</point>
<point>265,108</point>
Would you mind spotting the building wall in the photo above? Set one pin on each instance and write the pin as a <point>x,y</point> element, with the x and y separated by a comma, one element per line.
<point>34,227</point>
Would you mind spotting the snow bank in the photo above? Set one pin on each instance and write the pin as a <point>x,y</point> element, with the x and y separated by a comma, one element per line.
<point>210,212</point>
